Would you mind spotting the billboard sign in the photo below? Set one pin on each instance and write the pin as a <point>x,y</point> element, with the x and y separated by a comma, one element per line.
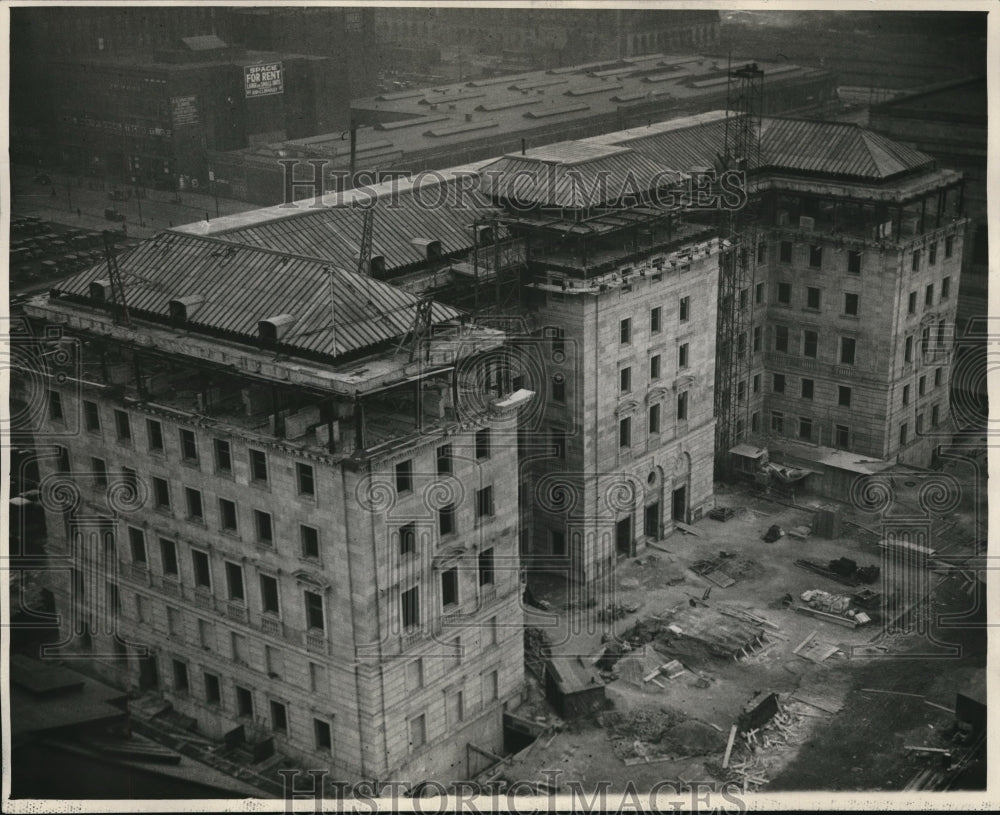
<point>184,110</point>
<point>263,80</point>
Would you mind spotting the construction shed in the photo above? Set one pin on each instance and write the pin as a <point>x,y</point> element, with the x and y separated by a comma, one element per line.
<point>572,690</point>
<point>832,472</point>
<point>747,459</point>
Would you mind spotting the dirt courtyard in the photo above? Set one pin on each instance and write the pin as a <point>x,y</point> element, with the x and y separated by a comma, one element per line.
<point>860,734</point>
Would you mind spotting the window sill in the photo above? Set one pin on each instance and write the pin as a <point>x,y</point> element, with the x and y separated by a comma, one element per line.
<point>191,463</point>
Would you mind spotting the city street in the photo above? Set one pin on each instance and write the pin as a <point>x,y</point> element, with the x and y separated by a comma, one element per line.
<point>80,202</point>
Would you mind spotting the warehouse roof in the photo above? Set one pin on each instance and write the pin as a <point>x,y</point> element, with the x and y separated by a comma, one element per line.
<point>414,121</point>
<point>230,289</point>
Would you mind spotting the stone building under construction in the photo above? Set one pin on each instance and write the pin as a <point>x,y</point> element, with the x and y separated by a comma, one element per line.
<point>328,440</point>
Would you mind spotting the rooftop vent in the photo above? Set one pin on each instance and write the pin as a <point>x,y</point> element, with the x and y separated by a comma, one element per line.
<point>431,247</point>
<point>182,308</point>
<point>100,290</point>
<point>273,329</point>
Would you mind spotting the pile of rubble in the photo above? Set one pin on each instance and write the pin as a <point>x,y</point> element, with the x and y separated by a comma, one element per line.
<point>751,770</point>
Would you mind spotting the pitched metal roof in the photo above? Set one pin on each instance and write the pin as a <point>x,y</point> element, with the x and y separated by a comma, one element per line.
<point>797,145</point>
<point>836,148</point>
<point>437,209</point>
<point>575,175</point>
<point>241,285</point>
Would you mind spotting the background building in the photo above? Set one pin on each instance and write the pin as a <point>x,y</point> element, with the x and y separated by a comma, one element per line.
<point>551,37</point>
<point>151,120</point>
<point>418,129</point>
<point>173,80</point>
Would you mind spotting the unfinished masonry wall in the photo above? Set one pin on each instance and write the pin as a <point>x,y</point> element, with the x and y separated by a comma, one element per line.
<point>355,673</point>
<point>896,378</point>
<point>435,573</point>
<point>213,619</point>
<point>638,375</point>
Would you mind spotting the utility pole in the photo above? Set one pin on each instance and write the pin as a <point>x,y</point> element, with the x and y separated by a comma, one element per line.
<point>215,191</point>
<point>138,198</point>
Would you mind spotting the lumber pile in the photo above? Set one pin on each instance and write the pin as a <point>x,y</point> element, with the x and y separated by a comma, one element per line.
<point>751,769</point>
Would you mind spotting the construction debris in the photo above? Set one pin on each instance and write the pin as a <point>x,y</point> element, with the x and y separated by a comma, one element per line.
<point>805,642</point>
<point>832,607</point>
<point>843,570</point>
<point>726,569</point>
<point>643,665</point>
<point>751,772</point>
<point>721,513</point>
<point>729,746</point>
<point>536,650</point>
<point>820,703</point>
<point>647,735</point>
<point>892,692</point>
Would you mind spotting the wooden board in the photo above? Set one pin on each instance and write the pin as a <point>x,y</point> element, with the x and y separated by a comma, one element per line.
<point>805,642</point>
<point>686,528</point>
<point>824,615</point>
<point>818,702</point>
<point>729,747</point>
<point>631,762</point>
<point>720,579</point>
